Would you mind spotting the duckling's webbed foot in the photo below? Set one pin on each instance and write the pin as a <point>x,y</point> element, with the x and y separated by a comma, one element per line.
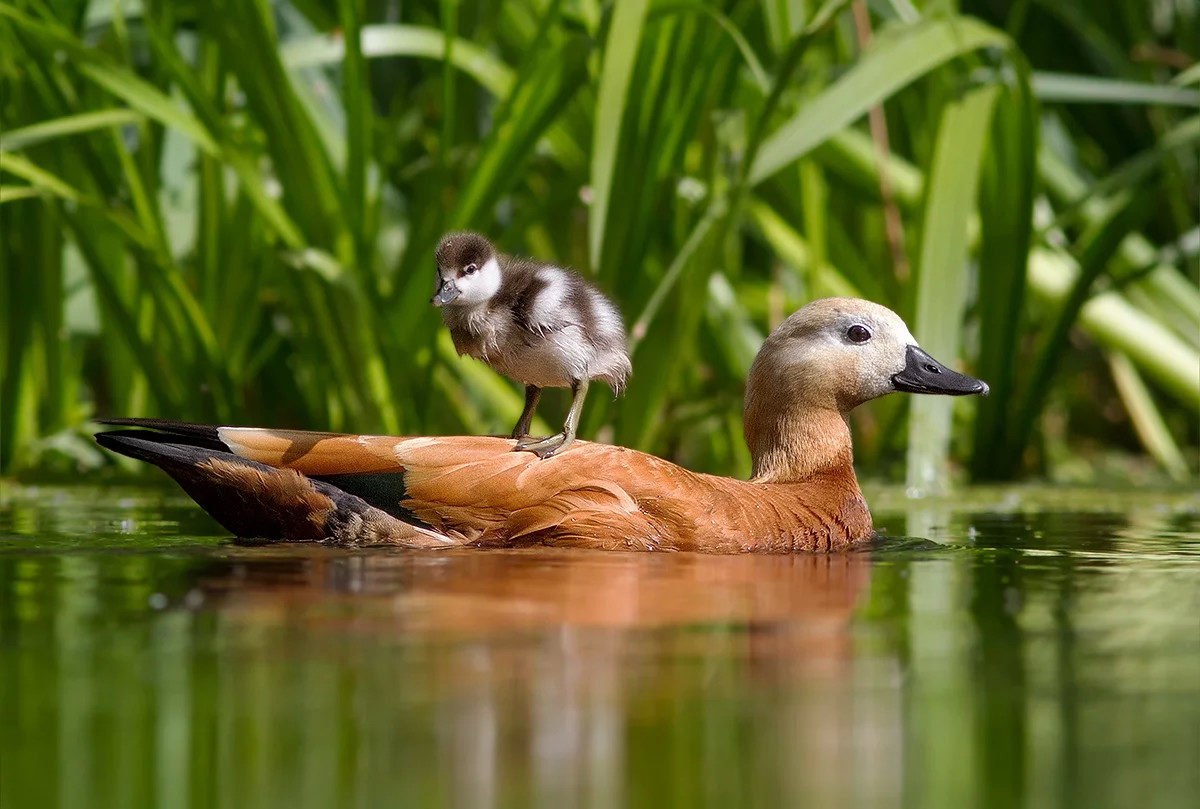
<point>545,447</point>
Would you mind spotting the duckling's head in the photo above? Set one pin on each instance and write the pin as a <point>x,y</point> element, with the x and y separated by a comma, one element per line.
<point>468,270</point>
<point>837,353</point>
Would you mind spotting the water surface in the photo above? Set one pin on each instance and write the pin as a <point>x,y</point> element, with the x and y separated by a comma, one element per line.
<point>1033,648</point>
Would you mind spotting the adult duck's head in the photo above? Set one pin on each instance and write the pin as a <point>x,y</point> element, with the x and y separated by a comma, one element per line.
<point>820,363</point>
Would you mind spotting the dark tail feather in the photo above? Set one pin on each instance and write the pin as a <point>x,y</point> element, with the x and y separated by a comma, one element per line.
<point>253,500</point>
<point>201,435</point>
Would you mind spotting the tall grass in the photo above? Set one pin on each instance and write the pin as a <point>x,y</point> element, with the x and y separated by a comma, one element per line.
<point>227,211</point>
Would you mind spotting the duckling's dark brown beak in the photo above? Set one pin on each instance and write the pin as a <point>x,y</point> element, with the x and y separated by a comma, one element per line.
<point>923,374</point>
<point>447,292</point>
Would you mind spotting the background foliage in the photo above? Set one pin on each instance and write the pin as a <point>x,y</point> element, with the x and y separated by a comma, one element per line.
<point>226,211</point>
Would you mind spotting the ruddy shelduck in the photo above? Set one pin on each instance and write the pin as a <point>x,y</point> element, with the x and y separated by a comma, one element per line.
<point>449,491</point>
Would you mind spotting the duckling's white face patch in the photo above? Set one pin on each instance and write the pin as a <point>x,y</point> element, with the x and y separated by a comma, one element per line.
<point>468,270</point>
<point>480,285</point>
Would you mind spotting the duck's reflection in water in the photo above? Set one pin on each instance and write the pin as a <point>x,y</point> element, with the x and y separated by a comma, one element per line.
<point>567,671</point>
<point>486,592</point>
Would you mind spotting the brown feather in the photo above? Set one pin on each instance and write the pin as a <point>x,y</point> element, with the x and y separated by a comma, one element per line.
<point>289,503</point>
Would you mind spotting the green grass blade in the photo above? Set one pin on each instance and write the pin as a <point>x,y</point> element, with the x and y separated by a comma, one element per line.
<point>620,55</point>
<point>784,74</point>
<point>851,155</point>
<point>1071,89</point>
<point>1183,137</point>
<point>790,246</point>
<point>150,101</point>
<point>50,184</point>
<point>416,41</point>
<point>898,57</point>
<point>753,64</point>
<point>232,153</point>
<point>1095,249</point>
<point>942,273</point>
<point>553,74</point>
<point>637,332</point>
<point>357,101</point>
<point>1188,77</point>
<point>1006,236</point>
<point>15,193</point>
<point>38,178</point>
<point>1116,324</point>
<point>15,140</point>
<point>1147,420</point>
<point>1177,298</point>
<point>309,183</point>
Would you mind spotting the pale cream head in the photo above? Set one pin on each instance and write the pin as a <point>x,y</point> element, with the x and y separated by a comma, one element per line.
<point>823,361</point>
<point>834,353</point>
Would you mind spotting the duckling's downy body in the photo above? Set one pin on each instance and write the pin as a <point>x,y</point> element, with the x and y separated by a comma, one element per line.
<point>533,322</point>
<point>432,491</point>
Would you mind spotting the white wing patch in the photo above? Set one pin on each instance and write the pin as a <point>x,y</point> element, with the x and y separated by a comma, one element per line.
<point>549,310</point>
<point>608,318</point>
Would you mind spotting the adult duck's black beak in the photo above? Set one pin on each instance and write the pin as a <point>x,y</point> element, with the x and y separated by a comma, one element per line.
<point>447,292</point>
<point>923,374</point>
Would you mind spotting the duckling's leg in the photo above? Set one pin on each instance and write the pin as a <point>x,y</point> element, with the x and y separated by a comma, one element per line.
<point>560,441</point>
<point>532,394</point>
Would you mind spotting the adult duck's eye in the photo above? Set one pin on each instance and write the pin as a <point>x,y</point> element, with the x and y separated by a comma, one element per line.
<point>858,334</point>
<point>470,268</point>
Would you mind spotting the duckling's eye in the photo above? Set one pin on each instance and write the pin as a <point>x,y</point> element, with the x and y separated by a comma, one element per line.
<point>470,268</point>
<point>858,333</point>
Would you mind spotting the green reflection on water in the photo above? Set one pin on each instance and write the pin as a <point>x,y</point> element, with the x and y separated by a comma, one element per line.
<point>1042,649</point>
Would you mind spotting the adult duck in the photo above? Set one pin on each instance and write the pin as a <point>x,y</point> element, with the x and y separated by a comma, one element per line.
<point>444,491</point>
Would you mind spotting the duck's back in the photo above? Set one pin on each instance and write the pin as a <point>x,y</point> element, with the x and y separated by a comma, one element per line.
<point>592,495</point>
<point>602,496</point>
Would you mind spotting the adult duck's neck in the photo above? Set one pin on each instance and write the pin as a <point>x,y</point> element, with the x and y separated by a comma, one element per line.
<point>792,443</point>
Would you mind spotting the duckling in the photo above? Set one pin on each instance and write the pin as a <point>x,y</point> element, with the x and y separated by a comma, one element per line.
<point>539,324</point>
<point>446,491</point>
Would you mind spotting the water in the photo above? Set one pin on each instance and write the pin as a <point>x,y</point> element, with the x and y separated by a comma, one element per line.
<point>1035,649</point>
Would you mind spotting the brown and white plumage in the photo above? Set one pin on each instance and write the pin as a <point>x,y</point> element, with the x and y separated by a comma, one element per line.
<point>534,322</point>
<point>450,491</point>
